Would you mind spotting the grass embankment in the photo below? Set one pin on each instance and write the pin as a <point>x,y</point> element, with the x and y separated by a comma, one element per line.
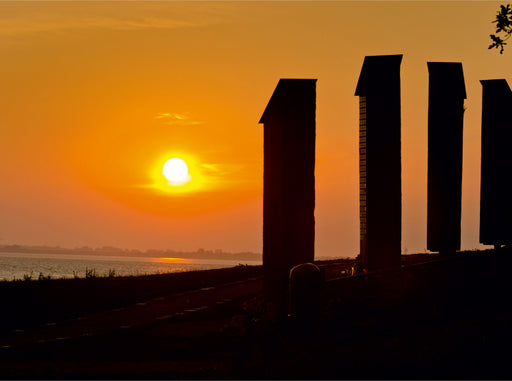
<point>36,301</point>
<point>30,303</point>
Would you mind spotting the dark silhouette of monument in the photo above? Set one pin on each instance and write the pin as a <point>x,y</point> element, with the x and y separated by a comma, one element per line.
<point>380,187</point>
<point>288,184</point>
<point>446,94</point>
<point>496,164</point>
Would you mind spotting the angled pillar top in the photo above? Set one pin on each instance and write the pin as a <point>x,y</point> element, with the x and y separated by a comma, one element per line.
<point>448,77</point>
<point>496,84</point>
<point>286,87</point>
<point>379,65</point>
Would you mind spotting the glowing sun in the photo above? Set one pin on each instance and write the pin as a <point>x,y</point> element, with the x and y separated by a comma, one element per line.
<point>176,171</point>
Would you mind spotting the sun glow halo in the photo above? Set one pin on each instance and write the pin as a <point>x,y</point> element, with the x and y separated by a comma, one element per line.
<point>165,181</point>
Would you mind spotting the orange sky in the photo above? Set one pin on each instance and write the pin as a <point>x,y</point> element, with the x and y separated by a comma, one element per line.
<point>95,96</point>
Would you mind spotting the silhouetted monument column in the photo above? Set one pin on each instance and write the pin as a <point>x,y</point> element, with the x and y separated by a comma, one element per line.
<point>496,188</point>
<point>380,184</point>
<point>288,184</point>
<point>446,94</point>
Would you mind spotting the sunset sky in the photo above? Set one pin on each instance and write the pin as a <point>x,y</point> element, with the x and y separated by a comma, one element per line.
<point>96,96</point>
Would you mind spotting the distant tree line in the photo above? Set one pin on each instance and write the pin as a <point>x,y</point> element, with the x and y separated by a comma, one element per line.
<point>110,250</point>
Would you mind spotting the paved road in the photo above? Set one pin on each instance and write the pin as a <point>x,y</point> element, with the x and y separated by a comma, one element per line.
<point>140,314</point>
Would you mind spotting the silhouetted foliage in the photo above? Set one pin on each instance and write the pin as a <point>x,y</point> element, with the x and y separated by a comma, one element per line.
<point>503,27</point>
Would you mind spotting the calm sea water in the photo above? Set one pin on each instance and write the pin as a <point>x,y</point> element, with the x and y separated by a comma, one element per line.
<point>19,265</point>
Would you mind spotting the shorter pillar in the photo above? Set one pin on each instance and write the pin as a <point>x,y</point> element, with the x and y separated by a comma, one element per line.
<point>305,294</point>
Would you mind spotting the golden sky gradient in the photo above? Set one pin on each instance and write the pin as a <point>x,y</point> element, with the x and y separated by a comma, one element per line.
<point>95,96</point>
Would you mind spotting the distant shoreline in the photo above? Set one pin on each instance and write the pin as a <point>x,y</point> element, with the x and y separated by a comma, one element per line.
<point>112,251</point>
<point>151,253</point>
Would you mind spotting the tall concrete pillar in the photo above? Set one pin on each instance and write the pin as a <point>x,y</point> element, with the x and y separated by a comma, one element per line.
<point>380,182</point>
<point>496,188</point>
<point>288,184</point>
<point>446,94</point>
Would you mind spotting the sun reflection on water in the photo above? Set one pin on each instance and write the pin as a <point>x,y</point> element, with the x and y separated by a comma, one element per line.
<point>176,260</point>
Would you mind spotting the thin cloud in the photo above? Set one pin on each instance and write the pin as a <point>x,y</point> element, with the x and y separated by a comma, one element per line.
<point>212,169</point>
<point>50,24</point>
<point>19,19</point>
<point>227,171</point>
<point>178,120</point>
